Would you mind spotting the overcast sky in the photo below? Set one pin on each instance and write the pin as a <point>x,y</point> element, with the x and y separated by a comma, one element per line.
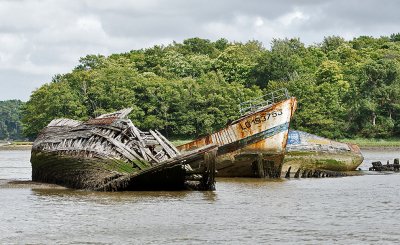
<point>41,38</point>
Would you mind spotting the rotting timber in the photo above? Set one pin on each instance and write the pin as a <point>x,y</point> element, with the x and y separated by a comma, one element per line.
<point>253,145</point>
<point>109,153</point>
<point>378,166</point>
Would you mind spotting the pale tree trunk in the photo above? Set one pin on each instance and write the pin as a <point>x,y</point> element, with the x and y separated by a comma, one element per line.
<point>373,119</point>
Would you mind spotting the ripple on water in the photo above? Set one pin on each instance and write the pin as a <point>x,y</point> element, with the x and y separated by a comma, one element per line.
<point>361,209</point>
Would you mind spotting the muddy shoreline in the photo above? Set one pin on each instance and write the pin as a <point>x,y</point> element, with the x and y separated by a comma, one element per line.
<point>28,184</point>
<point>15,147</point>
<point>390,148</point>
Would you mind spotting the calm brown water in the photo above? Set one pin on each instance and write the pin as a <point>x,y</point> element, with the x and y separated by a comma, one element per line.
<point>350,210</point>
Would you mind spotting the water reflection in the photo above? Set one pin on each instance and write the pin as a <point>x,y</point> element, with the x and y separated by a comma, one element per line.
<point>108,197</point>
<point>210,196</point>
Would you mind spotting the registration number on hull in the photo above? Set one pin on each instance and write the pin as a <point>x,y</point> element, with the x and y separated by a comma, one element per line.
<point>260,119</point>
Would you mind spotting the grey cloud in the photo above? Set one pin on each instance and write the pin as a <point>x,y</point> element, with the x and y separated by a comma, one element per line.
<point>39,38</point>
<point>19,85</point>
<point>353,16</point>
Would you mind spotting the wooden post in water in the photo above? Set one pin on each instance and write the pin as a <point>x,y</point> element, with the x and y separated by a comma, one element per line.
<point>297,174</point>
<point>207,182</point>
<point>287,176</point>
<point>260,166</point>
<point>396,165</point>
<point>304,174</point>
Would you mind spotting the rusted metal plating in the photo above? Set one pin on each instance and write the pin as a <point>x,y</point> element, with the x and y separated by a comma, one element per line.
<point>264,131</point>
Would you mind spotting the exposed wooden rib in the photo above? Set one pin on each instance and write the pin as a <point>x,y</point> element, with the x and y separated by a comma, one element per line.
<point>162,143</point>
<point>160,155</point>
<point>142,145</point>
<point>168,143</point>
<point>149,154</point>
<point>126,152</point>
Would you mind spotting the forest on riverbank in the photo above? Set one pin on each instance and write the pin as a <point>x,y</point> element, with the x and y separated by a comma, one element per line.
<point>345,89</point>
<point>10,120</point>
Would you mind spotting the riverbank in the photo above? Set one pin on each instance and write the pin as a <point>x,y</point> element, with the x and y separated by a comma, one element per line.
<point>177,142</point>
<point>16,145</point>
<point>363,143</point>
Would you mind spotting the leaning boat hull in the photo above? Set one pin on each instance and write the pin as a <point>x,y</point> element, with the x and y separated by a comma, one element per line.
<point>254,145</point>
<point>312,152</point>
<point>322,161</point>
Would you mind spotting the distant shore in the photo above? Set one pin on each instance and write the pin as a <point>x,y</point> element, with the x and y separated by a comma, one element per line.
<point>389,148</point>
<point>20,145</point>
<point>365,144</point>
<point>374,143</point>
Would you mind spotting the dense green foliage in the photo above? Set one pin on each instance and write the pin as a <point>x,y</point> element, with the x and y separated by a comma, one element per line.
<point>344,88</point>
<point>10,119</point>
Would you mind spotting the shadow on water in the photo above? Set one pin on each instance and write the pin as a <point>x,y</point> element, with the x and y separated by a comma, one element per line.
<point>50,190</point>
<point>121,197</point>
<point>56,192</point>
<point>111,195</point>
<point>250,181</point>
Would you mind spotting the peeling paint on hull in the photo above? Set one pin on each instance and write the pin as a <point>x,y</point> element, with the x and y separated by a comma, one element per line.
<point>253,145</point>
<point>308,151</point>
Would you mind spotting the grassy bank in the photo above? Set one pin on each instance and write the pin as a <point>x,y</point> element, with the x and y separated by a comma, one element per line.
<point>21,143</point>
<point>177,142</point>
<point>16,145</point>
<point>361,142</point>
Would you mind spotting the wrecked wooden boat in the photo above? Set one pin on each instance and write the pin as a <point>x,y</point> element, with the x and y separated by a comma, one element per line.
<point>378,166</point>
<point>311,152</point>
<point>254,144</point>
<point>109,153</point>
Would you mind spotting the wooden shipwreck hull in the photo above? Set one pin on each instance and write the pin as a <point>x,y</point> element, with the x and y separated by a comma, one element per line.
<point>253,145</point>
<point>109,153</point>
<point>311,152</point>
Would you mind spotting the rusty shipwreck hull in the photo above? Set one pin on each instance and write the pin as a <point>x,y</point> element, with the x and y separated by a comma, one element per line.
<point>311,152</point>
<point>253,145</point>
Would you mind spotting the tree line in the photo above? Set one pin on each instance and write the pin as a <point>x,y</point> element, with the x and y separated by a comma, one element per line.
<point>344,88</point>
<point>10,119</point>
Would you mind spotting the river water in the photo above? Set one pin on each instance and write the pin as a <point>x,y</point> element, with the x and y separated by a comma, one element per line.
<point>348,210</point>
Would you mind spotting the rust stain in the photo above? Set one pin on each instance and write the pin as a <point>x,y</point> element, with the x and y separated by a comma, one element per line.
<point>285,138</point>
<point>258,145</point>
<point>241,131</point>
<point>354,148</point>
<point>208,140</point>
